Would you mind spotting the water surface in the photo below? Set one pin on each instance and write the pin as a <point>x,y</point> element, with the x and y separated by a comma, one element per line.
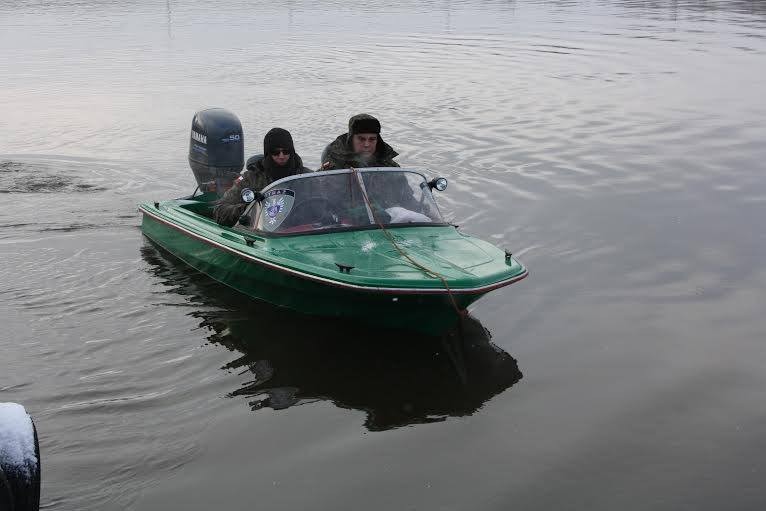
<point>615,146</point>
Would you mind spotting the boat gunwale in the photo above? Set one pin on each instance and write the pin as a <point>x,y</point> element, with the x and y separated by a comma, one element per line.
<point>333,230</point>
<point>336,283</point>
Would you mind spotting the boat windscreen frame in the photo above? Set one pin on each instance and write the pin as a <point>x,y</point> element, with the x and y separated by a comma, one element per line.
<point>373,223</point>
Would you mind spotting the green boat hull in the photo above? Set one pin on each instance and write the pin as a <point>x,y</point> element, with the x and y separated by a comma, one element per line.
<point>302,273</point>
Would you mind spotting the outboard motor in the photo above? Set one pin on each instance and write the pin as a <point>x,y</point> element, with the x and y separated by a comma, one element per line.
<point>216,149</point>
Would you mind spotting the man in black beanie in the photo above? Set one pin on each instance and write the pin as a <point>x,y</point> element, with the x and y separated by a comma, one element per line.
<point>361,147</point>
<point>279,160</point>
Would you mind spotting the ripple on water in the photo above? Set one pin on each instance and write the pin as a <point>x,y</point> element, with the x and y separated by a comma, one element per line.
<point>17,177</point>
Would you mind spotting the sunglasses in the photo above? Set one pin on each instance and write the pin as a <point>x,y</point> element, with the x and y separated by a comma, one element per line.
<point>277,152</point>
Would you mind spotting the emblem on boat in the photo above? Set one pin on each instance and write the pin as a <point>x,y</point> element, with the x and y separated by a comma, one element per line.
<point>273,208</point>
<point>276,206</point>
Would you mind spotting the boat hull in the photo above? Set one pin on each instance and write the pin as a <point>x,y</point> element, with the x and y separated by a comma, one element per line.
<point>430,311</point>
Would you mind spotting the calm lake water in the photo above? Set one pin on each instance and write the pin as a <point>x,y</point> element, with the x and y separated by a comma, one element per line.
<point>617,147</point>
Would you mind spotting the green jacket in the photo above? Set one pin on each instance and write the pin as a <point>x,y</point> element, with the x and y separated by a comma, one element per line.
<point>229,207</point>
<point>341,156</point>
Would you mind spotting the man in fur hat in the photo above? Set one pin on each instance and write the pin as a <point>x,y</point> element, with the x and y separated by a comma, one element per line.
<point>361,147</point>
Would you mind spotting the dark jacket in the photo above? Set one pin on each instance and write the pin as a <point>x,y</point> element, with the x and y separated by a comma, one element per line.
<point>340,155</point>
<point>229,207</point>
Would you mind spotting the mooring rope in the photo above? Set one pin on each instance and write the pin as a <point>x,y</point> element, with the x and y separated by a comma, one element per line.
<point>460,312</point>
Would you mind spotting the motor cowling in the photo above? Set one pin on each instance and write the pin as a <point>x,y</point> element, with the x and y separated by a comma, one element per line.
<point>216,149</point>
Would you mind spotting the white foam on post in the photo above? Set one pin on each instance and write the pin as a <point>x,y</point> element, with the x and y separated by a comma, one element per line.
<point>17,439</point>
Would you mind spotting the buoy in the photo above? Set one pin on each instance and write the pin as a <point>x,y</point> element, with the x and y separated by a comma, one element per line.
<point>19,460</point>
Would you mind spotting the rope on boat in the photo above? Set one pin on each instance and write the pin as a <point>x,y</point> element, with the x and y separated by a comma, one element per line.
<point>460,312</point>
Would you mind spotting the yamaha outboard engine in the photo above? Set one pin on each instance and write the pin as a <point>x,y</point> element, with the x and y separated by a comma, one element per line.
<point>216,149</point>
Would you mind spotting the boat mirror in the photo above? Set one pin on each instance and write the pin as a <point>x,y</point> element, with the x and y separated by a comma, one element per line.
<point>245,220</point>
<point>439,183</point>
<point>248,195</point>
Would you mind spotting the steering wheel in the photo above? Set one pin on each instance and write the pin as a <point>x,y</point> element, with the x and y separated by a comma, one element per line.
<point>302,212</point>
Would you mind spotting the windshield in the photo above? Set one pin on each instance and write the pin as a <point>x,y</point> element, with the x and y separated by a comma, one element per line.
<point>336,200</point>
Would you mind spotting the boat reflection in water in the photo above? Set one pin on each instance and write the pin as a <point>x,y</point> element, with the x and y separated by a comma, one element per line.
<point>398,378</point>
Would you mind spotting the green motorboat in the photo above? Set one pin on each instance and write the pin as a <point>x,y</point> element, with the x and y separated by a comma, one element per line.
<point>367,244</point>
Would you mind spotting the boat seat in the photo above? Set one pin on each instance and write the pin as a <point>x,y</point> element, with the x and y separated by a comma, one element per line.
<point>202,208</point>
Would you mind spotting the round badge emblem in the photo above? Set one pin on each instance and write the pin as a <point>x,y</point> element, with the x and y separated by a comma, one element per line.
<point>248,195</point>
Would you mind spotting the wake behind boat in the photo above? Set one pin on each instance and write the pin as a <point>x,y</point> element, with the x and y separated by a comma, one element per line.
<point>368,244</point>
